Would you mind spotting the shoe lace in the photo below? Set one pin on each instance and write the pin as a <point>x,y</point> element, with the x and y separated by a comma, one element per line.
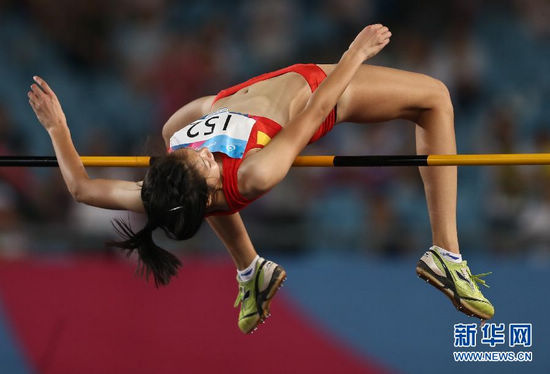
<point>478,280</point>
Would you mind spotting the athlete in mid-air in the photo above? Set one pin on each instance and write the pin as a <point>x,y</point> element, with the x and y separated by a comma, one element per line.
<point>226,151</point>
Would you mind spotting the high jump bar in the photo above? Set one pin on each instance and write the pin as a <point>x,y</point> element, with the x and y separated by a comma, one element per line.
<point>311,161</point>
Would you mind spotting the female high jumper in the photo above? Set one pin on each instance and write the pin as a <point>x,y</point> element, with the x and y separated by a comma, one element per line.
<point>228,150</point>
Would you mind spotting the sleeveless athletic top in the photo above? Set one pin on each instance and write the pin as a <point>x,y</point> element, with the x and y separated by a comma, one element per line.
<point>214,131</point>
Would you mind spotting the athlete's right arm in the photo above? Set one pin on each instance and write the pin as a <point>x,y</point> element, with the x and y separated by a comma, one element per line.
<point>264,169</point>
<point>102,193</point>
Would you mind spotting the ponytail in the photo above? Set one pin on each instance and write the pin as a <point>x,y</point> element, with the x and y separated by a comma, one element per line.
<point>152,259</point>
<point>174,196</point>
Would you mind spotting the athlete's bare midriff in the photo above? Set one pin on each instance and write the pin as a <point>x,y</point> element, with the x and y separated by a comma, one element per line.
<point>279,98</point>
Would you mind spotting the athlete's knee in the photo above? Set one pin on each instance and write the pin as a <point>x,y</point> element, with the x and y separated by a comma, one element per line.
<point>435,101</point>
<point>167,132</point>
<point>440,98</point>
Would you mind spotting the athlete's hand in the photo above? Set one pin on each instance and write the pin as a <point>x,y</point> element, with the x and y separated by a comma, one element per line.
<point>370,41</point>
<point>45,104</point>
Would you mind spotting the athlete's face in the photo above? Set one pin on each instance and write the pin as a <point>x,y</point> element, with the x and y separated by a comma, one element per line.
<point>203,161</point>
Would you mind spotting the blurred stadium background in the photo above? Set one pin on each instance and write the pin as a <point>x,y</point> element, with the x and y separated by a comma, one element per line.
<point>348,238</point>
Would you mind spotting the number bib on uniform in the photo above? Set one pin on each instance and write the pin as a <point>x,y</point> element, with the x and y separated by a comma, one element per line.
<point>221,131</point>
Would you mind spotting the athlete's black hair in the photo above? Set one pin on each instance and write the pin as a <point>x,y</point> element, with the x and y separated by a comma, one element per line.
<point>175,196</point>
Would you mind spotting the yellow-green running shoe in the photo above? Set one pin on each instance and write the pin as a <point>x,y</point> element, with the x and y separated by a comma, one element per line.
<point>457,282</point>
<point>256,294</point>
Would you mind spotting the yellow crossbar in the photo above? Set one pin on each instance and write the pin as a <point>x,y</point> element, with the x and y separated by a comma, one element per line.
<point>312,161</point>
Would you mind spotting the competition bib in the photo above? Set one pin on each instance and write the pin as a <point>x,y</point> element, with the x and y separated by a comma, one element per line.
<point>222,131</point>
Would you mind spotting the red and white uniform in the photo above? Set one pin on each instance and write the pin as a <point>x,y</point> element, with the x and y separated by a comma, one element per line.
<point>262,131</point>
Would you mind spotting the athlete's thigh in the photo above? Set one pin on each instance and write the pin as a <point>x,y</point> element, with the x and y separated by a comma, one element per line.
<point>378,94</point>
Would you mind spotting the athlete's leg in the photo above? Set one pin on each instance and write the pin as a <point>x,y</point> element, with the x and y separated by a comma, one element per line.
<point>258,278</point>
<point>232,232</point>
<point>379,94</point>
